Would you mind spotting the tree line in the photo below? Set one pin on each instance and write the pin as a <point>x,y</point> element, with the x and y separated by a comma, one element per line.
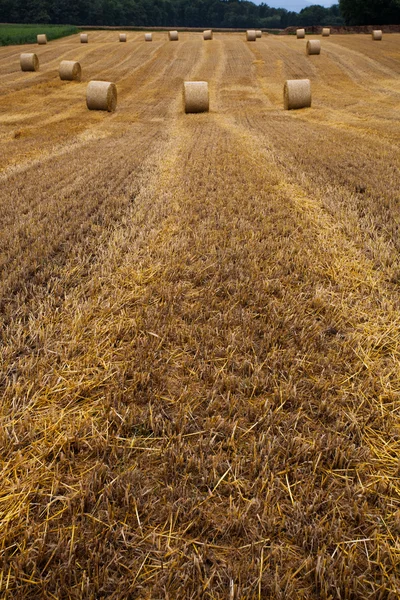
<point>164,13</point>
<point>370,12</point>
<point>195,13</point>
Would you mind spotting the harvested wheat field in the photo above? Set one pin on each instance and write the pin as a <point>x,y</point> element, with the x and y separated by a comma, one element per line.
<point>200,313</point>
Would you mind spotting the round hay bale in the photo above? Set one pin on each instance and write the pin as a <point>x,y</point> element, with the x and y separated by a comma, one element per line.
<point>301,34</point>
<point>122,37</point>
<point>173,36</point>
<point>101,95</point>
<point>313,47</point>
<point>195,96</point>
<point>208,34</point>
<point>258,33</point>
<point>84,38</point>
<point>326,32</point>
<point>377,35</point>
<point>29,62</point>
<point>70,70</point>
<point>42,39</point>
<point>251,35</point>
<point>297,94</point>
<point>148,37</point>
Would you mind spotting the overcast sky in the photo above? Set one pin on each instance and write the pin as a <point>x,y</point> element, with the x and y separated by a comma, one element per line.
<point>295,5</point>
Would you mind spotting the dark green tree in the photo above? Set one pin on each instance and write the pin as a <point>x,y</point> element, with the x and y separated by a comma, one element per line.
<point>313,15</point>
<point>37,11</point>
<point>167,13</point>
<point>370,12</point>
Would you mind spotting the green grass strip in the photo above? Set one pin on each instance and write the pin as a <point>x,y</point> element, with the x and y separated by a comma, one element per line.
<point>26,34</point>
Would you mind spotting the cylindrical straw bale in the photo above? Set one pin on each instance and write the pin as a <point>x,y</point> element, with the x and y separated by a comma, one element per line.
<point>42,39</point>
<point>29,62</point>
<point>258,33</point>
<point>70,70</point>
<point>84,38</point>
<point>313,47</point>
<point>301,34</point>
<point>207,34</point>
<point>122,37</point>
<point>148,37</point>
<point>173,36</point>
<point>101,95</point>
<point>377,34</point>
<point>195,96</point>
<point>326,32</point>
<point>251,35</point>
<point>297,94</point>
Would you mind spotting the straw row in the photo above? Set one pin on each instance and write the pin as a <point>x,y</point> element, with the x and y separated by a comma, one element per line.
<point>377,34</point>
<point>173,36</point>
<point>102,95</point>
<point>148,37</point>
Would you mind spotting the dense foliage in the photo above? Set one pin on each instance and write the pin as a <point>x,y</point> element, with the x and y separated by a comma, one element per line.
<point>185,13</point>
<point>370,12</point>
<point>196,13</point>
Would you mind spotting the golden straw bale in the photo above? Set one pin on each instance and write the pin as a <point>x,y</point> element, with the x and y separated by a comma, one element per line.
<point>297,94</point>
<point>122,37</point>
<point>377,35</point>
<point>70,70</point>
<point>326,32</point>
<point>148,37</point>
<point>251,35</point>
<point>208,34</point>
<point>195,96</point>
<point>29,62</point>
<point>173,36</point>
<point>258,33</point>
<point>84,38</point>
<point>301,34</point>
<point>313,47</point>
<point>101,95</point>
<point>42,39</point>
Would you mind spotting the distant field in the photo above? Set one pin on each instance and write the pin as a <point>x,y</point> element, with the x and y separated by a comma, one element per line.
<point>200,323</point>
<point>26,34</point>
